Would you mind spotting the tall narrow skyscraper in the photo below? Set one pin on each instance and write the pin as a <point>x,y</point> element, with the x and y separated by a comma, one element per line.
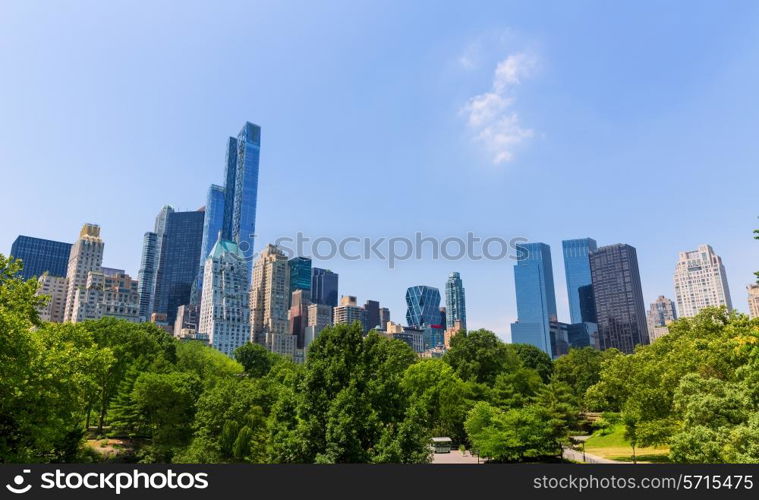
<point>40,256</point>
<point>241,188</point>
<point>147,273</point>
<point>324,287</point>
<point>536,299</point>
<point>213,220</point>
<point>455,301</point>
<point>269,293</point>
<point>178,264</point>
<point>700,281</point>
<point>579,286</point>
<point>86,255</point>
<point>618,298</point>
<point>224,313</point>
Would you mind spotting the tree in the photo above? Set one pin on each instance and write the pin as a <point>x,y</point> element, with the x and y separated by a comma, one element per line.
<point>581,369</point>
<point>480,356</point>
<point>534,358</point>
<point>256,359</point>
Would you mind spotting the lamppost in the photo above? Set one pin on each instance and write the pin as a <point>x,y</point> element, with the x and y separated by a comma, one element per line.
<point>581,439</point>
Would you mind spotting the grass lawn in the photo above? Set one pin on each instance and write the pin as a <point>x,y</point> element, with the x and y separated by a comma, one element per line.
<point>615,447</point>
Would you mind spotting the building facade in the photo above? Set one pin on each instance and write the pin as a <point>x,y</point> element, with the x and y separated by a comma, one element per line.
<point>54,287</point>
<point>319,318</point>
<point>753,300</point>
<point>224,313</point>
<point>579,287</point>
<point>213,221</point>
<point>536,299</point>
<point>269,298</point>
<point>372,311</point>
<point>40,256</point>
<point>150,260</point>
<point>324,287</point>
<point>113,295</point>
<point>660,314</point>
<point>178,263</point>
<point>348,312</point>
<point>423,312</point>
<point>618,297</point>
<point>700,281</point>
<point>384,314</point>
<point>241,188</point>
<point>455,302</point>
<point>86,256</point>
<point>300,274</point>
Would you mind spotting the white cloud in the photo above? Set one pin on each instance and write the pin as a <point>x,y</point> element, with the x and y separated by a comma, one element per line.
<point>491,116</point>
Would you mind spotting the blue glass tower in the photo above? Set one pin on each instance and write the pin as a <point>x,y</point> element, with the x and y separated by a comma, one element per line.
<point>423,311</point>
<point>536,300</point>
<point>324,287</point>
<point>241,188</point>
<point>147,273</point>
<point>41,256</point>
<point>579,286</point>
<point>178,264</point>
<point>455,303</point>
<point>300,273</point>
<point>212,226</point>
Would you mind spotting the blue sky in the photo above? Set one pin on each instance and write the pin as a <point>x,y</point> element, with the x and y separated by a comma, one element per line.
<point>632,123</point>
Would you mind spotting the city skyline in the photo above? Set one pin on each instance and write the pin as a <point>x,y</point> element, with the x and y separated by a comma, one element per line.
<point>604,138</point>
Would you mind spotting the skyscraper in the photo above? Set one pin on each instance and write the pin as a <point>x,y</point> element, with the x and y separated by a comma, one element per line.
<point>384,313</point>
<point>372,308</point>
<point>700,281</point>
<point>268,302</point>
<point>213,220</point>
<point>300,276</point>
<point>298,316</point>
<point>178,264</point>
<point>147,273</point>
<point>455,301</point>
<point>753,300</point>
<point>86,255</point>
<point>55,288</point>
<point>618,297</point>
<point>147,276</point>
<point>224,313</point>
<point>661,312</point>
<point>348,312</point>
<point>319,318</point>
<point>40,256</point>
<point>324,287</point>
<point>241,188</point>
<point>579,287</point>
<point>423,311</point>
<point>536,300</point>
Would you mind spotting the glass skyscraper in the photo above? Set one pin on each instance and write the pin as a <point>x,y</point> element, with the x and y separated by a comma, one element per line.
<point>324,287</point>
<point>423,311</point>
<point>178,264</point>
<point>579,285</point>
<point>212,226</point>
<point>300,274</point>
<point>241,188</point>
<point>618,298</point>
<point>41,256</point>
<point>455,303</point>
<point>536,299</point>
<point>147,273</point>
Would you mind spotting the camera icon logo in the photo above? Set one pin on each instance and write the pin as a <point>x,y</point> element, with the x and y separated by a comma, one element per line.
<point>18,481</point>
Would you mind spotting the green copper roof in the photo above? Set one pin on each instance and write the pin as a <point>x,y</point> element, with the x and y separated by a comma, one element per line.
<point>225,246</point>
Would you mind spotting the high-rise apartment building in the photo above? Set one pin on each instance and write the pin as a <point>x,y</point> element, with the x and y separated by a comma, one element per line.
<point>269,294</point>
<point>618,297</point>
<point>86,256</point>
<point>455,302</point>
<point>324,287</point>
<point>579,286</point>
<point>224,312</point>
<point>112,294</point>
<point>40,256</point>
<point>536,300</point>
<point>348,312</point>
<point>753,300</point>
<point>700,281</point>
<point>298,315</point>
<point>178,262</point>
<point>319,318</point>
<point>384,314</point>
<point>54,287</point>
<point>661,313</point>
<point>241,188</point>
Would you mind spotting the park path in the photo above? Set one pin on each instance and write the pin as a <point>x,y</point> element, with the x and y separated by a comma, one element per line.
<point>576,456</point>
